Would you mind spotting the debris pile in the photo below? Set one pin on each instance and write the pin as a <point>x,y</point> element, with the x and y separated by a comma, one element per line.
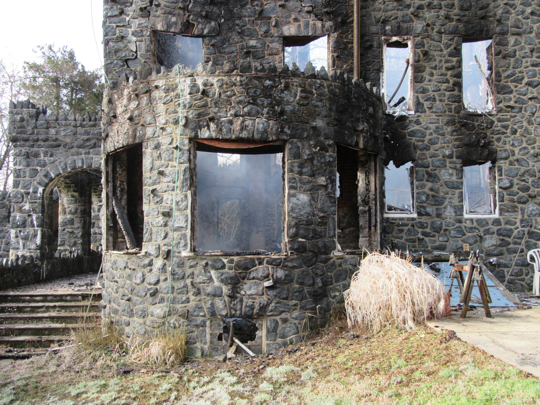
<point>390,291</point>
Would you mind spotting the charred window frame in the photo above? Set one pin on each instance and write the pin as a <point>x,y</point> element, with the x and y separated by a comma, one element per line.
<point>480,189</point>
<point>477,75</point>
<point>400,189</point>
<point>348,220</point>
<point>174,49</point>
<point>397,75</point>
<point>125,215</point>
<point>300,50</point>
<point>357,199</point>
<point>238,203</point>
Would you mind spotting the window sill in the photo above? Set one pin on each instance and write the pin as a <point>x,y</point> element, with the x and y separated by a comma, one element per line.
<point>396,114</point>
<point>396,215</point>
<point>126,252</point>
<point>353,252</point>
<point>477,113</point>
<point>225,253</point>
<point>496,215</point>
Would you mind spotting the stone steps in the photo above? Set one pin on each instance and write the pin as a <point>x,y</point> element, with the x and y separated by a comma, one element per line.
<point>69,318</point>
<point>42,318</point>
<point>22,340</point>
<point>39,307</point>
<point>40,329</point>
<point>50,296</point>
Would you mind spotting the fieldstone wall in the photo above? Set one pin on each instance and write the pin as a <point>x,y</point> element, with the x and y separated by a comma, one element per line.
<point>235,33</point>
<point>309,112</point>
<point>51,152</point>
<point>205,289</point>
<point>243,92</point>
<point>4,224</point>
<point>441,134</point>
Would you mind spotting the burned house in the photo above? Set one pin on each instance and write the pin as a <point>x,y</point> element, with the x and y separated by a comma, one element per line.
<point>251,150</point>
<point>241,167</point>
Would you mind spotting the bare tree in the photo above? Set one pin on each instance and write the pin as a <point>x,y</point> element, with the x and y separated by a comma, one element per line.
<point>10,89</point>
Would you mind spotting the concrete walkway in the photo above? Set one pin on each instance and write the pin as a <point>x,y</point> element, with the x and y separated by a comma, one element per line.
<point>511,336</point>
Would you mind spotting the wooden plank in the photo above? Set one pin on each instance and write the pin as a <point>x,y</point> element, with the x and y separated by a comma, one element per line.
<point>504,291</point>
<point>467,292</point>
<point>484,298</point>
<point>243,347</point>
<point>124,224</point>
<point>230,353</point>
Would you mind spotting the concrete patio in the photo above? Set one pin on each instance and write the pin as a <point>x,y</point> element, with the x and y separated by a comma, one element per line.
<point>512,336</point>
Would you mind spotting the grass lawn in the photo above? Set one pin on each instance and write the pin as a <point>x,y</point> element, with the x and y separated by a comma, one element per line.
<point>422,366</point>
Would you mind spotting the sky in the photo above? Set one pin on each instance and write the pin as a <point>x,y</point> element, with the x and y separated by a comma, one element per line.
<point>26,24</point>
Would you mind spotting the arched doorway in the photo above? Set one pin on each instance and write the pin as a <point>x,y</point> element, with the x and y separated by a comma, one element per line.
<point>71,215</point>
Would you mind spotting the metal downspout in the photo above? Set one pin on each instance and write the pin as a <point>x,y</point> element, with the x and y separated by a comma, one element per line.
<point>356,36</point>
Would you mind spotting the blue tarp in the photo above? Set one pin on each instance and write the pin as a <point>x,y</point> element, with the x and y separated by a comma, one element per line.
<point>497,297</point>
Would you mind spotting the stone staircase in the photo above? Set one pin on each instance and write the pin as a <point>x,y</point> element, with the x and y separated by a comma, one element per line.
<point>44,318</point>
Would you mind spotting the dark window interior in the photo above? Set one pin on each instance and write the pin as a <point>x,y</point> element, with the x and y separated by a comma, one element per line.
<point>125,199</point>
<point>347,199</point>
<point>239,198</point>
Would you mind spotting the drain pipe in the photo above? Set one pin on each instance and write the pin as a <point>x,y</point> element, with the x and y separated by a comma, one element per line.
<point>356,36</point>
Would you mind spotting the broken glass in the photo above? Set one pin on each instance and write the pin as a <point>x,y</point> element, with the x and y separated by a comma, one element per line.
<point>399,188</point>
<point>315,52</point>
<point>397,74</point>
<point>477,65</point>
<point>172,50</point>
<point>239,202</point>
<point>477,190</point>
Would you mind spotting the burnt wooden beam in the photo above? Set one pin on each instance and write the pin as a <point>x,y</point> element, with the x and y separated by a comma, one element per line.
<point>124,224</point>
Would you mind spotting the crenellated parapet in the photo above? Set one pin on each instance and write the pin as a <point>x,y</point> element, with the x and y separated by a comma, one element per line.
<point>56,179</point>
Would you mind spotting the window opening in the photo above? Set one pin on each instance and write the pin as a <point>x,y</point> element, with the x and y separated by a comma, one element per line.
<point>479,189</point>
<point>477,76</point>
<point>171,50</point>
<point>397,86</point>
<point>239,199</point>
<point>302,50</point>
<point>125,199</point>
<point>399,188</point>
<point>347,198</point>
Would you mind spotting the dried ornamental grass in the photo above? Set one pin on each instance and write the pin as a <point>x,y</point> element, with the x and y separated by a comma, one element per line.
<point>167,349</point>
<point>389,291</point>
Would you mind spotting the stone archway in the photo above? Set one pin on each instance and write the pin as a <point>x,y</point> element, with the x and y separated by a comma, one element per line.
<point>71,222</point>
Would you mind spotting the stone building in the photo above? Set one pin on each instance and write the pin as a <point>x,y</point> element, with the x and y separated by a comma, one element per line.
<point>469,131</point>
<point>253,149</point>
<point>226,126</point>
<point>50,223</point>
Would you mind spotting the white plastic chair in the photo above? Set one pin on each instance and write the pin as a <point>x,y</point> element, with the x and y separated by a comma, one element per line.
<point>533,257</point>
